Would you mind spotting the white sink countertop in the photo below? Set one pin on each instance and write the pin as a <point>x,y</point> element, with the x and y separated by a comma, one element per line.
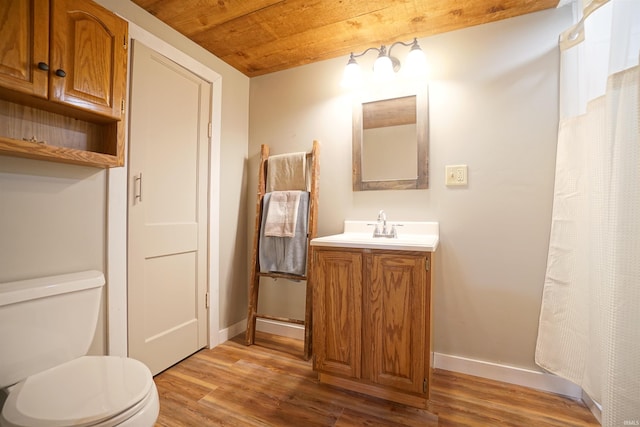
<point>420,236</point>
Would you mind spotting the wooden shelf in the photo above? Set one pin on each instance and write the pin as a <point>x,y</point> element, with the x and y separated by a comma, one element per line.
<point>33,150</point>
<point>68,139</point>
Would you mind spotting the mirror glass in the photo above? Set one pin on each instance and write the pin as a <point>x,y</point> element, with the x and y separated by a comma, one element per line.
<point>390,147</point>
<point>389,144</point>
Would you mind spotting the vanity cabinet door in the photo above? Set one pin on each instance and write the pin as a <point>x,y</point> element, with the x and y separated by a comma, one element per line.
<point>395,334</point>
<point>88,57</point>
<point>24,44</point>
<point>337,312</point>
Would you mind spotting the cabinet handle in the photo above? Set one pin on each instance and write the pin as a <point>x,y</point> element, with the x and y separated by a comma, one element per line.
<point>61,73</point>
<point>43,66</point>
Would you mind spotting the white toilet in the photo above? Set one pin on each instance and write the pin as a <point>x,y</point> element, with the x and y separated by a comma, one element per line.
<point>46,327</point>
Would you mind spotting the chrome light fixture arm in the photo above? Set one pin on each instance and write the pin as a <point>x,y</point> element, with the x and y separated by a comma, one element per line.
<point>396,63</point>
<point>353,56</point>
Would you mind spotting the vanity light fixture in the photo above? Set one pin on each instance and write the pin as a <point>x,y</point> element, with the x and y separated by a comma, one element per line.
<point>386,65</point>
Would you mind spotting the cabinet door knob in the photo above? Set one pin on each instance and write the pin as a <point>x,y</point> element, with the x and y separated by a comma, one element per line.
<point>43,66</point>
<point>61,73</point>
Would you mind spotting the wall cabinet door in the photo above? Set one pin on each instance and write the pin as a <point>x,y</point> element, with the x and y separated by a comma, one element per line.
<point>337,312</point>
<point>394,333</point>
<point>88,57</point>
<point>83,64</point>
<point>24,25</point>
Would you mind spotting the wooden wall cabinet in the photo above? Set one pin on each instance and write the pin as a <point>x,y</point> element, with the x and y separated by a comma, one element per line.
<point>372,322</point>
<point>63,73</point>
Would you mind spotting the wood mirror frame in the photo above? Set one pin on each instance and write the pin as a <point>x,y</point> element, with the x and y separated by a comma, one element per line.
<point>422,131</point>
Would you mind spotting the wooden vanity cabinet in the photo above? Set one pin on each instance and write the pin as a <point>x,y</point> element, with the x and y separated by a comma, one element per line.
<point>372,327</point>
<point>61,60</point>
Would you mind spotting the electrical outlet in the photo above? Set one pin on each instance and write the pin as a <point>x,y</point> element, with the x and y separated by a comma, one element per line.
<point>456,175</point>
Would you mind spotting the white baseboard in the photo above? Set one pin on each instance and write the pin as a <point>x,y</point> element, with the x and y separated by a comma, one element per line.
<point>593,406</point>
<point>233,330</point>
<point>263,325</point>
<point>508,374</point>
<point>290,330</point>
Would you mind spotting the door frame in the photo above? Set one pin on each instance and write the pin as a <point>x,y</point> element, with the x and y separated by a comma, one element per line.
<point>116,262</point>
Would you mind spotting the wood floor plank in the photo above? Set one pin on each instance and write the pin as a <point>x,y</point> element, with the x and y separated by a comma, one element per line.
<point>270,384</point>
<point>504,404</point>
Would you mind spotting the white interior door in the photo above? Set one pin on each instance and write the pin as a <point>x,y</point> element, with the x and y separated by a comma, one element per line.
<point>167,219</point>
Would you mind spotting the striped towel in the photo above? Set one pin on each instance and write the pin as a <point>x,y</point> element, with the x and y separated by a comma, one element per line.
<point>282,214</point>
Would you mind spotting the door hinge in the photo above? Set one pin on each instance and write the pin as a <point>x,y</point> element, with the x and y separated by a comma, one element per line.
<point>122,105</point>
<point>424,385</point>
<point>206,300</point>
<point>125,43</point>
<point>210,130</point>
<point>427,264</point>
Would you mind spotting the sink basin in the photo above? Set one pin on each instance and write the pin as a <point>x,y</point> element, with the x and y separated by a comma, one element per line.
<point>412,236</point>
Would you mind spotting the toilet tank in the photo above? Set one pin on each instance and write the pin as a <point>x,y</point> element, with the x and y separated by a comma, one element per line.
<point>47,321</point>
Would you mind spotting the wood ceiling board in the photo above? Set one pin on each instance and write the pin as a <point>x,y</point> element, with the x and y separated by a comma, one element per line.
<point>264,36</point>
<point>201,14</point>
<point>283,21</point>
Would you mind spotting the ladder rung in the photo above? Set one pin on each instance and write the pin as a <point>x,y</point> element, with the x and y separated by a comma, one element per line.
<point>280,319</point>
<point>282,276</point>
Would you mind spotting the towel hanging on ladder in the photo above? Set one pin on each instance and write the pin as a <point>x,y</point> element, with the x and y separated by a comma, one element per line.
<point>282,214</point>
<point>287,172</point>
<point>285,254</point>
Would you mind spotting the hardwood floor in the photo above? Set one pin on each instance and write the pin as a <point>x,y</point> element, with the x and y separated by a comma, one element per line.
<point>269,384</point>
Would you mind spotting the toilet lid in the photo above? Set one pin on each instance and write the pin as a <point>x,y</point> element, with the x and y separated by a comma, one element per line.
<point>78,393</point>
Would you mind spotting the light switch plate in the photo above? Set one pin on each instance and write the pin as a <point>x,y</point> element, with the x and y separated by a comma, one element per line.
<point>456,175</point>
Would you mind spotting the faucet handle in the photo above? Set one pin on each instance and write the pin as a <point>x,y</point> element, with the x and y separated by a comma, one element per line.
<point>376,230</point>
<point>394,231</point>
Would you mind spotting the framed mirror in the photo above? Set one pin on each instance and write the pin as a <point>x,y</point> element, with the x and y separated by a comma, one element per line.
<point>390,143</point>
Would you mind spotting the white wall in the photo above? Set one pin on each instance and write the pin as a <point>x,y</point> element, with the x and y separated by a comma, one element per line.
<point>52,218</point>
<point>493,105</point>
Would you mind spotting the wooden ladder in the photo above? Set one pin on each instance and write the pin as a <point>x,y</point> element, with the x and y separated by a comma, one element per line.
<point>256,274</point>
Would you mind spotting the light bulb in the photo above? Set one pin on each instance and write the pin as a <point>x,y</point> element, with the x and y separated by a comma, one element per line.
<point>416,62</point>
<point>383,68</point>
<point>352,76</point>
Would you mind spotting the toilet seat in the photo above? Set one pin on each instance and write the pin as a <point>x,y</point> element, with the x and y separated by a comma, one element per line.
<point>87,391</point>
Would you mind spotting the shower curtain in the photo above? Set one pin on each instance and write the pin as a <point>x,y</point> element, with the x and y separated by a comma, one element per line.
<point>589,328</point>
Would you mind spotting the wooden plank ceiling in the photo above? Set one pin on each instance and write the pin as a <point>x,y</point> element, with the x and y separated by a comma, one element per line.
<point>263,36</point>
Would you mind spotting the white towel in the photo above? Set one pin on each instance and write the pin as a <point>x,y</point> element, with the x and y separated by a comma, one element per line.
<point>287,172</point>
<point>282,214</point>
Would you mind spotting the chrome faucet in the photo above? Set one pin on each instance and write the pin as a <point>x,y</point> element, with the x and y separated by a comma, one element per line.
<point>382,217</point>
<point>382,220</point>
